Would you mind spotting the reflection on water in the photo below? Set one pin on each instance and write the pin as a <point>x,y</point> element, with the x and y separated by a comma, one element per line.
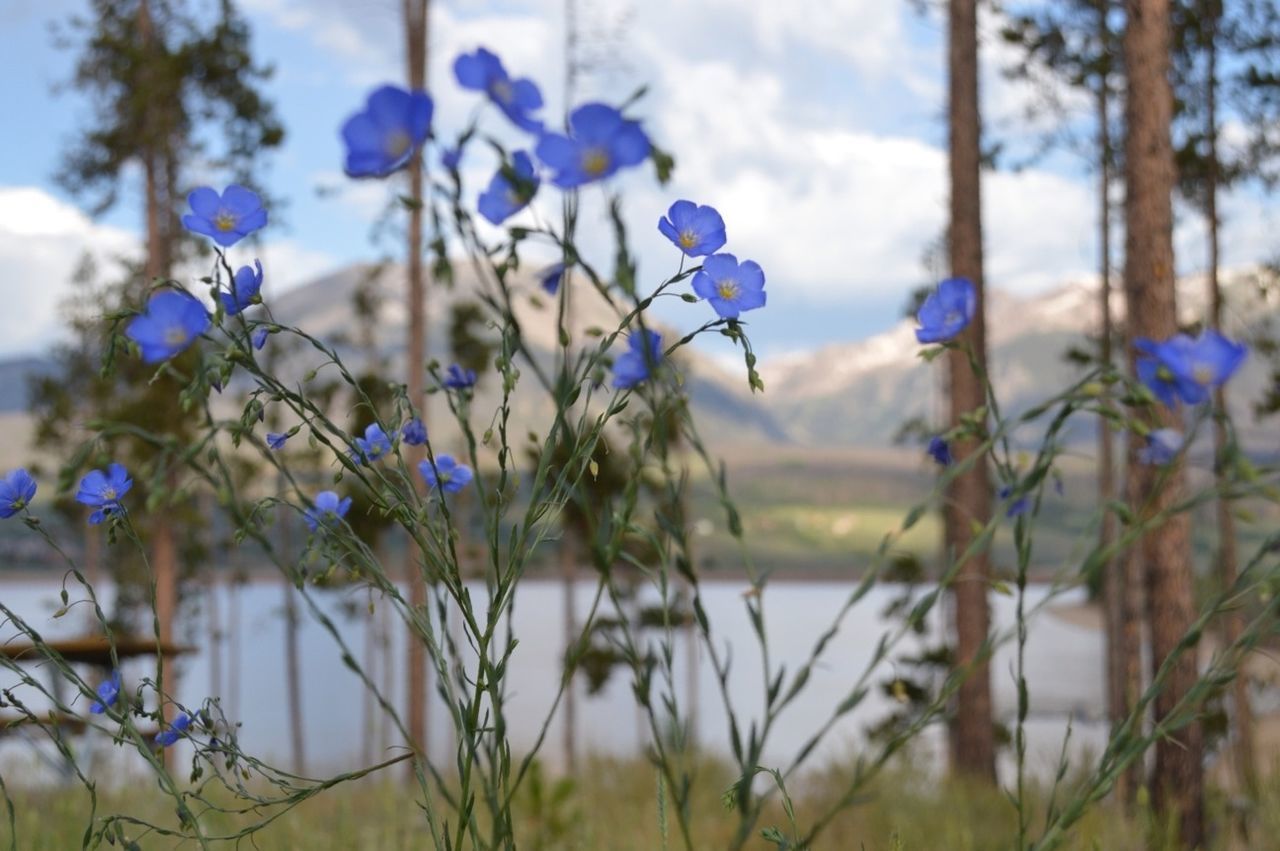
<point>239,635</point>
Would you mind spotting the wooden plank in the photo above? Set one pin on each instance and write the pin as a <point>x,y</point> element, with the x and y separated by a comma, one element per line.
<point>94,649</point>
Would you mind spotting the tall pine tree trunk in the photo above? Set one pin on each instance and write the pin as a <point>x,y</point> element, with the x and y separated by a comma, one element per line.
<point>1233,622</point>
<point>969,497</point>
<point>415,27</point>
<point>1123,608</point>
<point>1164,552</point>
<point>164,549</point>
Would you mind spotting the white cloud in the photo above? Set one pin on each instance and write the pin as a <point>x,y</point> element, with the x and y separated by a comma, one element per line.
<point>287,263</point>
<point>42,241</point>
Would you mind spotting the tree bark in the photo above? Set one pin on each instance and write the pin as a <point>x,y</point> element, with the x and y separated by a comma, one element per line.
<point>569,624</point>
<point>1121,593</point>
<point>969,497</point>
<point>1164,552</point>
<point>164,552</point>
<point>292,648</point>
<point>1233,622</point>
<point>415,27</point>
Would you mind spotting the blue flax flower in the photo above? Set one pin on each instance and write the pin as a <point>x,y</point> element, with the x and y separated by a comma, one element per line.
<point>17,489</point>
<point>729,286</point>
<point>697,231</point>
<point>637,364</point>
<point>451,158</point>
<point>947,311</point>
<point>510,190</point>
<point>108,693</point>
<point>600,142</point>
<point>940,450</point>
<point>457,378</point>
<point>103,491</point>
<point>373,445</point>
<point>259,338</point>
<point>1018,506</point>
<point>448,474</point>
<point>414,432</point>
<point>482,71</point>
<point>328,510</point>
<point>549,279</point>
<point>228,217</point>
<point>246,285</point>
<point>387,133</point>
<point>171,322</point>
<point>276,440</point>
<point>180,725</point>
<point>1185,368</point>
<point>1162,447</point>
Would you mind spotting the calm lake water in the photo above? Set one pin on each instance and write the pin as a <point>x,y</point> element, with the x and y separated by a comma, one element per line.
<point>239,635</point>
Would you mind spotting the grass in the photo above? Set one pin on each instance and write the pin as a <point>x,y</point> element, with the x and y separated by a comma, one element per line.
<point>614,806</point>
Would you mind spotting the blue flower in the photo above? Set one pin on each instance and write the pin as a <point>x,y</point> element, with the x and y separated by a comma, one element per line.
<point>17,489</point>
<point>1018,506</point>
<point>1162,447</point>
<point>228,217</point>
<point>171,322</point>
<point>276,440</point>
<point>451,158</point>
<point>940,450</point>
<point>947,311</point>
<point>245,286</point>
<point>387,133</point>
<point>179,726</point>
<point>103,491</point>
<point>414,432</point>
<point>259,338</point>
<point>482,71</point>
<point>637,364</point>
<point>108,692</point>
<point>697,231</point>
<point>549,279</point>
<point>1185,368</point>
<point>447,474</point>
<point>730,287</point>
<point>457,378</point>
<point>373,445</point>
<point>328,510</point>
<point>510,190</point>
<point>600,142</point>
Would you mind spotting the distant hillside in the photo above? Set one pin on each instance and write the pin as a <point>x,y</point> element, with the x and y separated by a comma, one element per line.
<point>15,381</point>
<point>849,394</point>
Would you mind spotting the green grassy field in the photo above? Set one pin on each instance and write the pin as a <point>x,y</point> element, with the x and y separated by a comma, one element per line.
<point>615,806</point>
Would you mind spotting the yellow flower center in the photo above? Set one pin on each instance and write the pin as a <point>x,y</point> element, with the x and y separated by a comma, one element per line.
<point>1203,374</point>
<point>728,289</point>
<point>595,161</point>
<point>397,143</point>
<point>501,91</point>
<point>175,335</point>
<point>108,493</point>
<point>688,239</point>
<point>225,221</point>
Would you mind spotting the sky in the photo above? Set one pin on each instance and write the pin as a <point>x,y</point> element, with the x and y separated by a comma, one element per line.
<point>816,129</point>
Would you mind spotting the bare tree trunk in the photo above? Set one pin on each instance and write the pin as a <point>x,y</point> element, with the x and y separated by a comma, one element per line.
<point>233,646</point>
<point>569,623</point>
<point>1123,610</point>
<point>163,558</point>
<point>969,497</point>
<point>1164,552</point>
<point>293,666</point>
<point>415,27</point>
<point>1233,622</point>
